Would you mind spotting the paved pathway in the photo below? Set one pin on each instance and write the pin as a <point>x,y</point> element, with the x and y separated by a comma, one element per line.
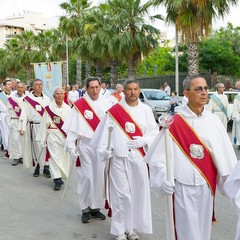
<point>31,210</point>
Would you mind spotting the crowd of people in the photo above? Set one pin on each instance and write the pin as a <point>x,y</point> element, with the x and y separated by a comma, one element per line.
<point>119,152</point>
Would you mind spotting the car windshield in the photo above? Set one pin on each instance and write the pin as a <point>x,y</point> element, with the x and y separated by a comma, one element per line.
<point>156,95</point>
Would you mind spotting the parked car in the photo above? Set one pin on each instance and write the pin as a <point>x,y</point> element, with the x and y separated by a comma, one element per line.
<point>157,99</point>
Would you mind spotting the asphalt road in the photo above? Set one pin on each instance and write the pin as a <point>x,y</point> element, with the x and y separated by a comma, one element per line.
<point>31,210</point>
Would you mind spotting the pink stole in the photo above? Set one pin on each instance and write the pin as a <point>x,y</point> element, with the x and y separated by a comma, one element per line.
<point>37,106</point>
<point>83,107</point>
<point>201,157</point>
<point>57,120</point>
<point>122,118</point>
<point>15,106</point>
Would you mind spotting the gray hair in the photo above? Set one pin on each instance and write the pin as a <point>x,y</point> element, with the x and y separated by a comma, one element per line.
<point>24,85</point>
<point>57,88</point>
<point>36,80</point>
<point>128,81</point>
<point>188,79</point>
<point>119,85</point>
<point>219,85</point>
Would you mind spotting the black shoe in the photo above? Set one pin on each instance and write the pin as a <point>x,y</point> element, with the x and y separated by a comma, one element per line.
<point>37,171</point>
<point>98,215</point>
<point>86,217</point>
<point>239,147</point>
<point>15,162</point>
<point>46,172</point>
<point>58,184</point>
<point>20,160</point>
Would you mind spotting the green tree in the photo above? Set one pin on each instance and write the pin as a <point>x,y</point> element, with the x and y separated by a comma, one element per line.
<point>134,38</point>
<point>193,19</point>
<point>160,61</point>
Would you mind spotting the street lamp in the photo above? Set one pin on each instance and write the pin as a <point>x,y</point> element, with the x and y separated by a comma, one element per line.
<point>67,80</point>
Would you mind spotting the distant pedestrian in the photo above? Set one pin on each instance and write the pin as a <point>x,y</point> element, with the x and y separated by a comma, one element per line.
<point>167,88</point>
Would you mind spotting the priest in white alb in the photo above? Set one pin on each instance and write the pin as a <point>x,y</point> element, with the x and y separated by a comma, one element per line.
<point>80,127</point>
<point>133,128</point>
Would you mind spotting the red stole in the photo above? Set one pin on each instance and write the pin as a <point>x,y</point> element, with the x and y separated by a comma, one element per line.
<point>15,106</point>
<point>117,96</point>
<point>37,106</point>
<point>91,118</point>
<point>57,120</point>
<point>203,162</point>
<point>123,119</point>
<point>87,112</point>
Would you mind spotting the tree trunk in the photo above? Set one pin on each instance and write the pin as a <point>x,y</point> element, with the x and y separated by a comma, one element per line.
<point>114,73</point>
<point>79,72</point>
<point>64,71</point>
<point>131,69</point>
<point>99,69</point>
<point>88,70</point>
<point>193,58</point>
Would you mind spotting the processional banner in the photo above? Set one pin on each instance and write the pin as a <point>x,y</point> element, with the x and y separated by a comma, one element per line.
<point>51,75</point>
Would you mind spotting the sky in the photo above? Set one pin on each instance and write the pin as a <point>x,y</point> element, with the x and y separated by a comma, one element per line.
<point>51,8</point>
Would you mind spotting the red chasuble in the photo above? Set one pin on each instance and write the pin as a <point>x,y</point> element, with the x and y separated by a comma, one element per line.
<point>84,108</point>
<point>126,123</point>
<point>194,149</point>
<point>57,120</point>
<point>15,107</point>
<point>37,106</point>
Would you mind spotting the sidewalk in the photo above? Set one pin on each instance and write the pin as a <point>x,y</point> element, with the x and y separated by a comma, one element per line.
<point>31,210</point>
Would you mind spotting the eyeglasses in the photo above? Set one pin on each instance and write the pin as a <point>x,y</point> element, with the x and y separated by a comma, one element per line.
<point>199,89</point>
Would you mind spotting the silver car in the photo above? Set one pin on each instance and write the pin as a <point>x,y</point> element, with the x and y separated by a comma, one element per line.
<point>157,99</point>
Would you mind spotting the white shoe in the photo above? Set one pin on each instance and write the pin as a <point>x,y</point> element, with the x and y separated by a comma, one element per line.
<point>121,237</point>
<point>133,236</point>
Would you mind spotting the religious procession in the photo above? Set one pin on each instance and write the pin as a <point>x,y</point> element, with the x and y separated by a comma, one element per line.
<point>119,152</point>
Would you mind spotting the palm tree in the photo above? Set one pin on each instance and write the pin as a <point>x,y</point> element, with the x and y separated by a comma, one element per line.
<point>135,38</point>
<point>69,24</point>
<point>193,19</point>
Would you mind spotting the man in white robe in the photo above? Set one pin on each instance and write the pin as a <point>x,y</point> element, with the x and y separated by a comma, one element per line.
<point>55,138</point>
<point>116,96</point>
<point>193,197</point>
<point>7,87</point>
<point>236,118</point>
<point>218,104</point>
<point>15,143</point>
<point>30,120</point>
<point>104,92</point>
<point>79,127</point>
<point>129,183</point>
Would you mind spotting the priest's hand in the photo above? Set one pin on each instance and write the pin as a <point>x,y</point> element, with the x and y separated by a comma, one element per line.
<point>73,156</point>
<point>22,133</point>
<point>107,154</point>
<point>167,187</point>
<point>137,142</point>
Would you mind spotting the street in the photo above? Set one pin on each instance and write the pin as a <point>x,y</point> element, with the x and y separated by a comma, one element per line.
<point>31,210</point>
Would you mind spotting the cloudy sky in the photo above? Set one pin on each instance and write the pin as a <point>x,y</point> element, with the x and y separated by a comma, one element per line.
<point>51,8</point>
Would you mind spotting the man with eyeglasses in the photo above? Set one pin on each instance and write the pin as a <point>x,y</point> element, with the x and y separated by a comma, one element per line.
<point>218,104</point>
<point>203,157</point>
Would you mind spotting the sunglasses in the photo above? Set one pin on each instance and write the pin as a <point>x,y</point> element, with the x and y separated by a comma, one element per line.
<point>199,89</point>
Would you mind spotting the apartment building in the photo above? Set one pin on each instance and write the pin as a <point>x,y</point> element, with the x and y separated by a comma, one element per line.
<point>16,24</point>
